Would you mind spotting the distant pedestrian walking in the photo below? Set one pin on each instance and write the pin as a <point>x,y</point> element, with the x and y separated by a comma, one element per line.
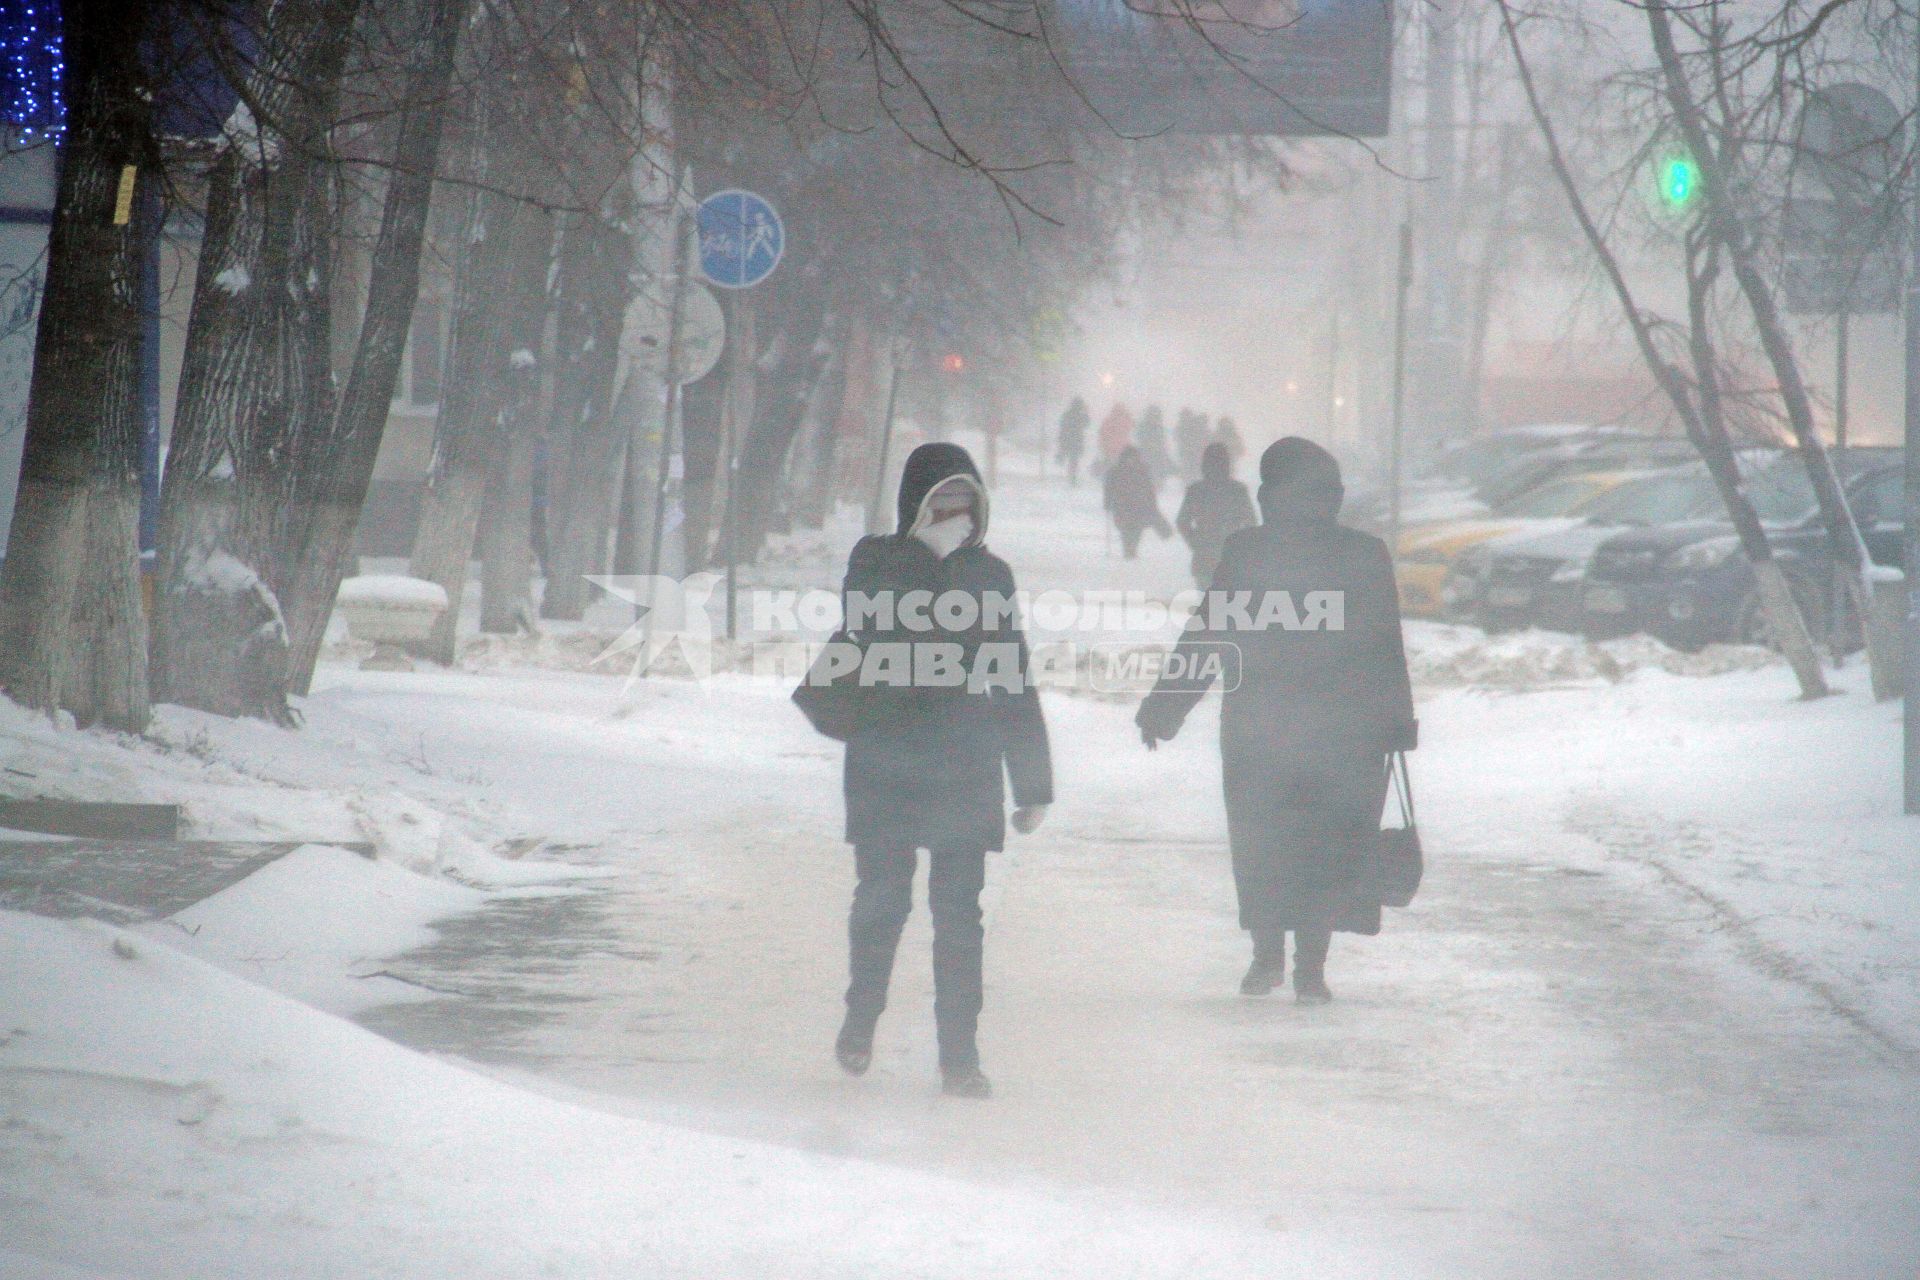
<point>1323,698</point>
<point>1151,436</point>
<point>1189,441</point>
<point>1216,505</point>
<point>1116,435</point>
<point>1132,503</point>
<point>1227,432</point>
<point>1072,440</point>
<point>924,762</point>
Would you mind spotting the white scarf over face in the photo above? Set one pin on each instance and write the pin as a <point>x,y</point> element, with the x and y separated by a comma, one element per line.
<point>947,536</point>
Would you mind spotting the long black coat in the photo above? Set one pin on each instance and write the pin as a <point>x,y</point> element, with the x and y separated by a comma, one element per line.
<point>1304,735</point>
<point>925,770</point>
<point>1213,508</point>
<point>1130,496</point>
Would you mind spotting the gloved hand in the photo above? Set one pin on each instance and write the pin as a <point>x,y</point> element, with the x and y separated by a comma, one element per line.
<point>1027,818</point>
<point>1153,730</point>
<point>1404,737</point>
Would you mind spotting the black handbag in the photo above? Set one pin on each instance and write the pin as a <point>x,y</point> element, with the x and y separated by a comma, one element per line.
<point>834,705</point>
<point>1397,860</point>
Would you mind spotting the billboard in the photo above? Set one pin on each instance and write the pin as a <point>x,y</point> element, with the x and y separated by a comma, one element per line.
<point>1287,67</point>
<point>1139,68</point>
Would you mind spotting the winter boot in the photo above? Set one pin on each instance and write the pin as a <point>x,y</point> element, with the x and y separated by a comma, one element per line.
<point>854,1047</point>
<point>1310,987</point>
<point>1269,965</point>
<point>1262,976</point>
<point>969,1082</point>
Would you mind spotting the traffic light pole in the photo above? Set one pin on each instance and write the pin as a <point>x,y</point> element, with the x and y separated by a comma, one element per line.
<point>1402,280</point>
<point>1910,626</point>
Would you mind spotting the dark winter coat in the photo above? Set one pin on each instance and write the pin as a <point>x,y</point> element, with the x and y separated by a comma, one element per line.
<point>1073,430</point>
<point>1216,505</point>
<point>925,771</point>
<point>1304,734</point>
<point>1129,494</point>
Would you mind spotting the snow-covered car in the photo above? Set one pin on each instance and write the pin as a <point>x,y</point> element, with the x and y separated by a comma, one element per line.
<point>1689,585</point>
<point>1476,477</point>
<point>1425,555</point>
<point>1538,580</point>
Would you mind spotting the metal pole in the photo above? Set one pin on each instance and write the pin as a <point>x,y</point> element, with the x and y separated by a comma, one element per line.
<point>1840,377</point>
<point>879,503</point>
<point>742,341</point>
<point>1910,630</point>
<point>676,302</point>
<point>1438,366</point>
<point>1401,285</point>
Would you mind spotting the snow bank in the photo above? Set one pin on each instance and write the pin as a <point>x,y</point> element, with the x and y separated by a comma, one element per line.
<point>1445,656</point>
<point>152,1086</point>
<point>393,589</point>
<point>316,924</point>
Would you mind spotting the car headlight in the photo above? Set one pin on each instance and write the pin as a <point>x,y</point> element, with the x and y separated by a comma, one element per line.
<point>1699,557</point>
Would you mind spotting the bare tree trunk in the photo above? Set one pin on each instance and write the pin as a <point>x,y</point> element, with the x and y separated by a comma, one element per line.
<point>506,528</point>
<point>1843,534</point>
<point>257,375</point>
<point>702,406</point>
<point>499,229</point>
<point>1709,437</point>
<point>595,288</point>
<point>506,536</point>
<point>338,468</point>
<point>1708,430</point>
<point>819,430</point>
<point>73,539</point>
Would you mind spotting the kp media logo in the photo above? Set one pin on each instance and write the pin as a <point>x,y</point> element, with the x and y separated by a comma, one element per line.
<point>669,612</point>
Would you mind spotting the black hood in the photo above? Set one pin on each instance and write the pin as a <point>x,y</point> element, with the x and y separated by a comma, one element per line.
<point>1299,483</point>
<point>926,467</point>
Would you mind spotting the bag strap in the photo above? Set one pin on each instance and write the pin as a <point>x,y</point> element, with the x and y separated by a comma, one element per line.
<point>1402,785</point>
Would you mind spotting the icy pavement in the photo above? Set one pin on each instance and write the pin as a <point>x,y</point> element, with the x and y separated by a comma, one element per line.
<point>1561,1062</point>
<point>1653,1013</point>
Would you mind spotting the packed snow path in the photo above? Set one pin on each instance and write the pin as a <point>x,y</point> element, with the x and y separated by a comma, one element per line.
<point>1572,1058</point>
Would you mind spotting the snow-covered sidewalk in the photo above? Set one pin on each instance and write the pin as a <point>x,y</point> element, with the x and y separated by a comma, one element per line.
<point>1653,1013</point>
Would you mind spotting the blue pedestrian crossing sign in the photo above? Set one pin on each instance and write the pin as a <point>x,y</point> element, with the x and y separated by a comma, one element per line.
<point>741,239</point>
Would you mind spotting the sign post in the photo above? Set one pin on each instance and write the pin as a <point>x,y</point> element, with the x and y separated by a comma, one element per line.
<point>1910,623</point>
<point>741,241</point>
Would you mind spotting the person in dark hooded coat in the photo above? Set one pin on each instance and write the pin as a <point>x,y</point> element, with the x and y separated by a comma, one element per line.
<point>1131,501</point>
<point>1151,438</point>
<point>925,769</point>
<point>1215,506</point>
<point>1323,697</point>
<point>1072,440</point>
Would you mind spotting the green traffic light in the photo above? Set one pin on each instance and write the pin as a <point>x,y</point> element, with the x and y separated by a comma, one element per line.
<point>1679,181</point>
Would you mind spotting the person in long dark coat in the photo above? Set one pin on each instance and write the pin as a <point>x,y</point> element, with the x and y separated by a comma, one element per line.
<point>924,770</point>
<point>1323,697</point>
<point>1132,502</point>
<point>1190,441</point>
<point>1151,437</point>
<point>1072,441</point>
<point>1216,505</point>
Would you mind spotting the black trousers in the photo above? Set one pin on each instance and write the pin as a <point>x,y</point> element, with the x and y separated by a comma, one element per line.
<point>882,900</point>
<point>1309,948</point>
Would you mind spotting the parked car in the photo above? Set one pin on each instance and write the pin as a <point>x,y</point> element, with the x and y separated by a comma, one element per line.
<point>1476,477</point>
<point>1689,585</point>
<point>1538,580</point>
<point>1426,554</point>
